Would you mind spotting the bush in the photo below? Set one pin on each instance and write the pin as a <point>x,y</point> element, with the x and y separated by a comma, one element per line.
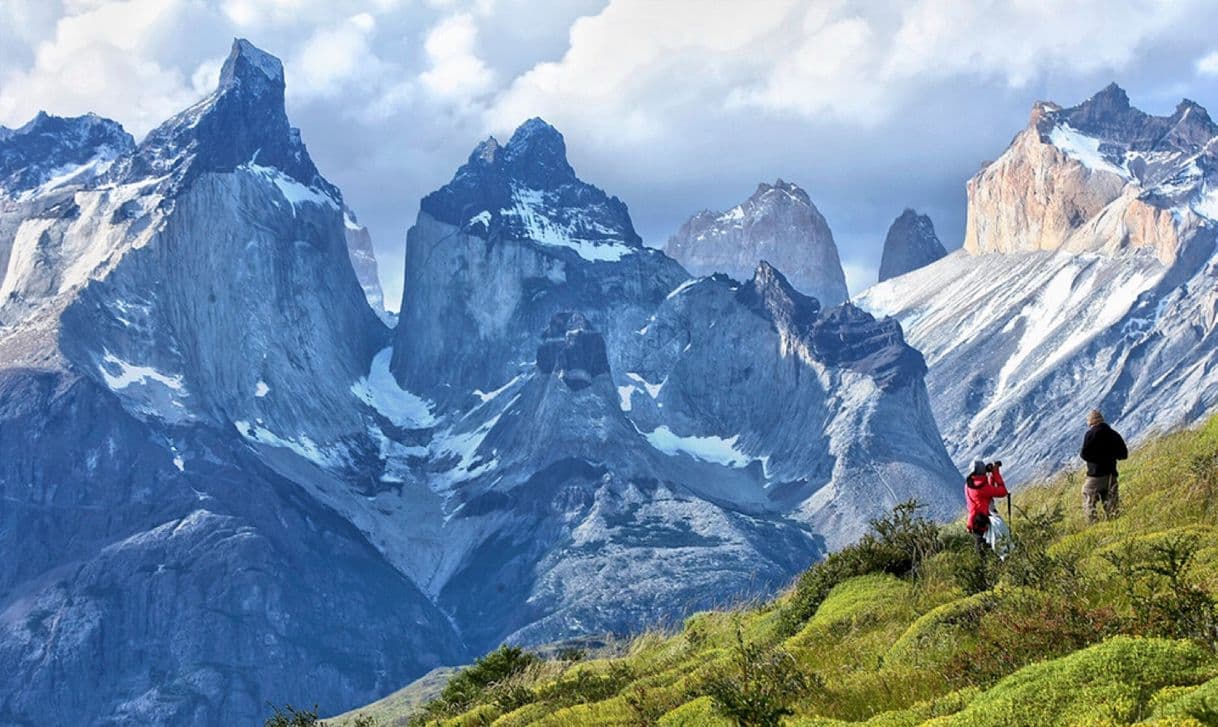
<point>289,716</point>
<point>586,685</point>
<point>1164,599</point>
<point>470,685</point>
<point>897,544</point>
<point>761,686</point>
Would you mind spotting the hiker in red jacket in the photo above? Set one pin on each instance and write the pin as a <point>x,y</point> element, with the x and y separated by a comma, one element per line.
<point>980,488</point>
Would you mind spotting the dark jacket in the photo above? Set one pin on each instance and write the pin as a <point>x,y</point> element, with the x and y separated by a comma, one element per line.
<point>1102,447</point>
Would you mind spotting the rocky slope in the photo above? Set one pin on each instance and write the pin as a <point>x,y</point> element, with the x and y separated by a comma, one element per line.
<point>911,243</point>
<point>159,321</point>
<point>226,482</point>
<point>363,260</point>
<point>639,421</point>
<point>1087,280</point>
<point>778,223</point>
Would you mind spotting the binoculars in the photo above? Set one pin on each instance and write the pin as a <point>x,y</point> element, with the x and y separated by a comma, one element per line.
<point>989,467</point>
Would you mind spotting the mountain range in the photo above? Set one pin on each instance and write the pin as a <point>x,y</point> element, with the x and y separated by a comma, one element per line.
<point>1086,280</point>
<point>228,479</point>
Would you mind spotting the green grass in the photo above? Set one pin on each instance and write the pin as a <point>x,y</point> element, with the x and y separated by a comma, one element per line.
<point>904,629</point>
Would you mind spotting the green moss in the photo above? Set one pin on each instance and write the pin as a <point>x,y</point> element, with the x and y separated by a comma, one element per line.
<point>866,598</point>
<point>1199,703</point>
<point>1113,681</point>
<point>698,713</point>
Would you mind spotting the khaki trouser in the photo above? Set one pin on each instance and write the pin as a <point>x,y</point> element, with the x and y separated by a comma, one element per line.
<point>1101,489</point>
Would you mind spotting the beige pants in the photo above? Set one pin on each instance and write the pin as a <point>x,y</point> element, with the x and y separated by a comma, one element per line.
<point>1101,489</point>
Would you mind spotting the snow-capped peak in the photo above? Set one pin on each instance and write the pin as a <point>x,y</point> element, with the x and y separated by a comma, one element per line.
<point>53,150</point>
<point>243,121</point>
<point>245,60</point>
<point>526,190</point>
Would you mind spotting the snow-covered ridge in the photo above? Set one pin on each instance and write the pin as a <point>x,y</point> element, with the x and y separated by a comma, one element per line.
<point>531,213</point>
<point>292,190</point>
<point>1086,150</point>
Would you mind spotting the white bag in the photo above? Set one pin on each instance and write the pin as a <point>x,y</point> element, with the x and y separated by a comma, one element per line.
<point>998,536</point>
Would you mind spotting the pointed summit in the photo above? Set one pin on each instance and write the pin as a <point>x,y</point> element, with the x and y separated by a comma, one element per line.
<point>911,243</point>
<point>247,63</point>
<point>526,190</point>
<point>537,155</point>
<point>242,122</point>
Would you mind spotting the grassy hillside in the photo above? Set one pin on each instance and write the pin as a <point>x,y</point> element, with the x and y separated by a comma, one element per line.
<point>1099,625</point>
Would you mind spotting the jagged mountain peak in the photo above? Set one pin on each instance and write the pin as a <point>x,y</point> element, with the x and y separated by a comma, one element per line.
<point>771,292</point>
<point>790,189</point>
<point>246,63</point>
<point>243,122</point>
<point>526,190</point>
<point>910,244</point>
<point>1109,117</point>
<point>59,149</point>
<point>536,154</point>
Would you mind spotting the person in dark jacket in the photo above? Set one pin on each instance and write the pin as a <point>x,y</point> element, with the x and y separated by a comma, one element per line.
<point>981,487</point>
<point>1102,447</point>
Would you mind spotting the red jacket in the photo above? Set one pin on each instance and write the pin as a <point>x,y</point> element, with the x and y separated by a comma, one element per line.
<point>980,491</point>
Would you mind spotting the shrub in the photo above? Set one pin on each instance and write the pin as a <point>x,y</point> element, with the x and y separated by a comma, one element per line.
<point>289,716</point>
<point>586,685</point>
<point>898,544</point>
<point>761,686</point>
<point>1164,599</point>
<point>471,684</point>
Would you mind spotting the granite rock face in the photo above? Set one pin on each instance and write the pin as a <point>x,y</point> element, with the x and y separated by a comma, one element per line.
<point>778,223</point>
<point>227,482</point>
<point>155,332</point>
<point>911,243</point>
<point>1087,280</point>
<point>363,261</point>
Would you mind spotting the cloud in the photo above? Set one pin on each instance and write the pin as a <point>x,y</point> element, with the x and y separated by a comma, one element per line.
<point>672,106</point>
<point>335,56</point>
<point>1207,65</point>
<point>103,60</point>
<point>456,71</point>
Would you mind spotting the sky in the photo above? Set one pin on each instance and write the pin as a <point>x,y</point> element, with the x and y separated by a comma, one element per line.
<point>672,105</point>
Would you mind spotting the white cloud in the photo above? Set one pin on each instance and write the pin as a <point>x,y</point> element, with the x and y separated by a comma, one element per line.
<point>334,56</point>
<point>1207,65</point>
<point>456,71</point>
<point>630,65</point>
<point>100,60</point>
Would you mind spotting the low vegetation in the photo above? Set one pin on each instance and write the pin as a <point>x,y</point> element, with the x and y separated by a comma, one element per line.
<point>1108,624</point>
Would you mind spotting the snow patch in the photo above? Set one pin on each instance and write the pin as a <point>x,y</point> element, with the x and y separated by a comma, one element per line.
<point>302,445</point>
<point>293,191</point>
<point>683,287</point>
<point>381,391</point>
<point>716,450</point>
<point>261,389</point>
<point>528,208</point>
<point>1084,149</point>
<point>119,374</point>
<point>482,218</point>
<point>653,390</point>
<point>626,394</point>
<point>485,396</point>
